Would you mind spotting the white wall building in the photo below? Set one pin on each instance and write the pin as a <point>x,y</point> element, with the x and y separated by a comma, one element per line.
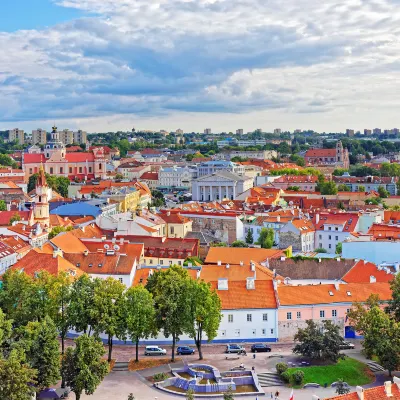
<point>377,252</point>
<point>261,154</point>
<point>210,167</point>
<point>8,257</point>
<point>176,177</point>
<point>220,185</point>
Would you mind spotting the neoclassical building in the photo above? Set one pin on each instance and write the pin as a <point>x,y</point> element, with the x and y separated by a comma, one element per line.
<point>56,161</point>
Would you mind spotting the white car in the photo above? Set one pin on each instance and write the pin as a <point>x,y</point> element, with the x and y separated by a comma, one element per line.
<point>154,351</point>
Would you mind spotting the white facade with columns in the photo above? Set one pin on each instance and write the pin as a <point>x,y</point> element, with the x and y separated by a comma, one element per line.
<point>220,185</point>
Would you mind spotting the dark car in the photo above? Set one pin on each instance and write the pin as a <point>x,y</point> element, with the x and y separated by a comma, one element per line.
<point>259,347</point>
<point>183,350</point>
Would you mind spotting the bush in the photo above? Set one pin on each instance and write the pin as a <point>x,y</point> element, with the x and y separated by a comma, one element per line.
<point>161,376</point>
<point>285,376</point>
<point>281,367</point>
<point>298,377</point>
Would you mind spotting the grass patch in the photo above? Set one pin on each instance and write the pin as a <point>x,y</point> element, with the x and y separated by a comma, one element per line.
<point>350,370</point>
<point>148,363</point>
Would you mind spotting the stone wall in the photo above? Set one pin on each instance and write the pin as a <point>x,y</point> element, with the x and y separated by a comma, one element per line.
<point>223,229</point>
<point>287,239</point>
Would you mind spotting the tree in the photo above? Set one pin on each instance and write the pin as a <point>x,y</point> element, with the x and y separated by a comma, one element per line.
<point>15,218</point>
<point>5,331</point>
<point>328,188</point>
<point>317,343</point>
<point>320,250</point>
<point>170,290</point>
<point>119,176</point>
<point>16,377</point>
<point>293,188</point>
<point>83,366</point>
<point>341,388</point>
<point>139,315</point>
<point>393,308</point>
<point>6,160</point>
<point>249,237</point>
<point>339,248</point>
<point>228,395</point>
<point>361,188</point>
<point>343,188</point>
<point>58,229</point>
<point>383,193</point>
<point>107,309</point>
<point>3,205</point>
<point>266,238</point>
<point>239,243</point>
<point>81,304</point>
<point>204,313</point>
<point>44,355</point>
<point>190,394</point>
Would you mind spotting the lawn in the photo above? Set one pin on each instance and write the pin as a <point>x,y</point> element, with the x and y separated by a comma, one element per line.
<point>350,370</point>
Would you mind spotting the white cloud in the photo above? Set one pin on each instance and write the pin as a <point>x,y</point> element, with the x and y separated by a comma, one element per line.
<point>325,64</point>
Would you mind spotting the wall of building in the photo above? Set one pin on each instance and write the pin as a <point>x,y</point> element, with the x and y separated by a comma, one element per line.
<point>375,252</point>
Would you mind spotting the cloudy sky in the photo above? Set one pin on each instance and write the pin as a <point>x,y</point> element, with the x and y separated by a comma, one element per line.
<point>225,64</point>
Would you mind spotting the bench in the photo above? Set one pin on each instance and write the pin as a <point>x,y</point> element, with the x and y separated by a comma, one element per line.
<point>237,369</point>
<point>232,358</point>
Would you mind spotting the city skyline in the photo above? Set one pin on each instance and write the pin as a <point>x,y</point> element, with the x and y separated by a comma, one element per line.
<point>109,65</point>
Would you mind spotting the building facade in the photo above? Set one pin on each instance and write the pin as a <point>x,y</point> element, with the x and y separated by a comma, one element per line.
<point>176,177</point>
<point>339,156</point>
<point>211,167</point>
<point>39,136</point>
<point>17,135</point>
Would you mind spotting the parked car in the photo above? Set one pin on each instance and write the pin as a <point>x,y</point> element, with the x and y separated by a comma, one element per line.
<point>346,345</point>
<point>259,347</point>
<point>154,351</point>
<point>183,350</point>
<point>234,348</point>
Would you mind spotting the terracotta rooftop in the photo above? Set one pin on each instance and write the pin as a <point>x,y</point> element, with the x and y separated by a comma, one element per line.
<point>15,243</point>
<point>233,255</point>
<point>320,153</point>
<point>5,216</point>
<point>347,220</point>
<point>362,272</point>
<point>375,393</point>
<point>68,243</point>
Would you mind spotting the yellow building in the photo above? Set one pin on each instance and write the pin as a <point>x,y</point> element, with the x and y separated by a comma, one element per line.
<point>177,225</point>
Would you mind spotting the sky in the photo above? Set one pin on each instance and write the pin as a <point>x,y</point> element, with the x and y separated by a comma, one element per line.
<point>104,65</point>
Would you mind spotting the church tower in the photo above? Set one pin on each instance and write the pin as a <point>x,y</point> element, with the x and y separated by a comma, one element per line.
<point>41,210</point>
<point>339,151</point>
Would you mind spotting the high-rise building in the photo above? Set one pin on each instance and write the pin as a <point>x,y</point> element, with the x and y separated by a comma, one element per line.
<point>179,132</point>
<point>350,132</point>
<point>66,136</point>
<point>277,131</point>
<point>16,135</point>
<point>239,131</point>
<point>39,136</point>
<point>80,137</point>
<point>207,131</point>
<point>367,132</point>
<point>377,131</point>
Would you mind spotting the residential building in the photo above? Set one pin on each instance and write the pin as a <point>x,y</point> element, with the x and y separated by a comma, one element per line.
<point>177,225</point>
<point>367,132</point>
<point>176,177</point>
<point>211,167</point>
<point>306,183</point>
<point>8,257</point>
<point>350,132</point>
<point>297,304</point>
<point>219,185</point>
<point>377,131</point>
<point>39,136</point>
<point>371,183</point>
<point>334,228</point>
<point>179,132</point>
<point>133,170</point>
<point>207,131</point>
<point>298,233</point>
<point>80,137</point>
<point>277,131</point>
<point>150,179</point>
<point>338,157</point>
<point>66,136</point>
<point>262,154</point>
<point>15,243</point>
<point>17,135</point>
<point>239,131</point>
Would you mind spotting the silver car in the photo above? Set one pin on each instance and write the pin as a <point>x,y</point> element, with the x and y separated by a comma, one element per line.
<point>154,351</point>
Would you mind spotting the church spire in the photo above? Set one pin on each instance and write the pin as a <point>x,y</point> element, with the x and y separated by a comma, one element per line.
<point>41,181</point>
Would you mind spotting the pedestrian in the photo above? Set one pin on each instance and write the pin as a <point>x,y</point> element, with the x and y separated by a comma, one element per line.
<point>277,395</point>
<point>272,396</point>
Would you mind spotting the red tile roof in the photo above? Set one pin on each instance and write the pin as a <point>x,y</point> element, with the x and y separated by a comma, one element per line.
<point>362,272</point>
<point>233,255</point>
<point>384,232</point>
<point>151,176</point>
<point>348,220</point>
<point>173,217</point>
<point>6,215</point>
<point>34,158</point>
<point>79,157</point>
<point>16,243</point>
<point>321,153</point>
<point>375,393</point>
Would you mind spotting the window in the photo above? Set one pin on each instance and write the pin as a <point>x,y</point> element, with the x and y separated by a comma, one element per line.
<point>237,332</point>
<point>337,237</point>
<point>249,318</point>
<point>161,262</point>
<point>322,314</point>
<point>30,170</point>
<point>336,228</point>
<point>100,167</point>
<point>330,246</point>
<point>289,315</point>
<point>222,333</point>
<point>330,237</point>
<point>51,170</point>
<point>90,170</point>
<point>330,228</point>
<point>150,261</point>
<point>263,332</point>
<point>334,313</point>
<point>70,170</point>
<point>298,315</point>
<point>348,310</point>
<point>170,262</point>
<point>80,170</point>
<point>172,230</point>
<point>272,331</point>
<point>265,317</point>
<point>61,170</point>
<point>121,280</point>
<point>230,317</point>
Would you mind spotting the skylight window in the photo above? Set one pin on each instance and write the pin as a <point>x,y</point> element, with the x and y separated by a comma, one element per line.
<point>348,293</point>
<point>330,293</point>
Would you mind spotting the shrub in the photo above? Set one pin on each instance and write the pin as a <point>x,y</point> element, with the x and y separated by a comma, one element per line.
<point>281,367</point>
<point>161,376</point>
<point>298,377</point>
<point>285,376</point>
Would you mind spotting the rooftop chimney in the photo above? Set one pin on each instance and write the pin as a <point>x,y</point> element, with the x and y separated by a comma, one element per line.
<point>372,279</point>
<point>250,283</point>
<point>85,252</point>
<point>198,274</point>
<point>388,389</point>
<point>337,285</point>
<point>227,266</point>
<point>219,262</point>
<point>360,392</point>
<point>316,218</point>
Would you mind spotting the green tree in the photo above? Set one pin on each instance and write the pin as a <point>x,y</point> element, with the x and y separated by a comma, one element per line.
<point>81,304</point>
<point>139,315</point>
<point>320,250</point>
<point>190,394</point>
<point>170,290</point>
<point>3,205</point>
<point>341,388</point>
<point>228,395</point>
<point>83,366</point>
<point>16,377</point>
<point>383,193</point>
<point>361,188</point>
<point>329,188</point>
<point>331,342</point>
<point>44,356</point>
<point>15,218</point>
<point>249,237</point>
<point>7,161</point>
<point>343,188</point>
<point>58,229</point>
<point>339,248</point>
<point>266,238</point>
<point>393,308</point>
<point>239,243</point>
<point>107,310</point>
<point>5,331</point>
<point>204,313</point>
<point>119,176</point>
<point>293,188</point>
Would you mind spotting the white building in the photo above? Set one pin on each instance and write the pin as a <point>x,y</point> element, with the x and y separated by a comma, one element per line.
<point>261,154</point>
<point>220,185</point>
<point>210,167</point>
<point>176,177</point>
<point>377,252</point>
<point>207,131</point>
<point>299,233</point>
<point>8,257</point>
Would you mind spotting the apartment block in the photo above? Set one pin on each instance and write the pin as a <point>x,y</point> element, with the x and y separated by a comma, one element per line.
<point>66,136</point>
<point>80,137</point>
<point>16,135</point>
<point>39,136</point>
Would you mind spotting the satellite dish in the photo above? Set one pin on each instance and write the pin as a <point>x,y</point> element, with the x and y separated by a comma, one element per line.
<point>116,247</point>
<point>106,246</point>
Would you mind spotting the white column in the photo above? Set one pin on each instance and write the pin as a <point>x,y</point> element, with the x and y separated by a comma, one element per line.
<point>227,192</point>
<point>198,192</point>
<point>211,193</point>
<point>220,193</point>
<point>234,190</point>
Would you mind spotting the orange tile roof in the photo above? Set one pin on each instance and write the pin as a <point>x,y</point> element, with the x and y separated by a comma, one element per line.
<point>319,294</point>
<point>320,153</point>
<point>362,271</point>
<point>337,219</point>
<point>35,262</point>
<point>239,297</point>
<point>68,243</point>
<point>133,250</point>
<point>56,220</point>
<point>16,243</point>
<point>173,217</point>
<point>391,216</point>
<point>47,248</point>
<point>375,393</point>
<point>384,231</point>
<point>233,255</point>
<point>88,231</point>
<point>305,225</point>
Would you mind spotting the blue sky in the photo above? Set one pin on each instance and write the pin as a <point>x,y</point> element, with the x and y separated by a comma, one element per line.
<point>33,14</point>
<point>226,64</point>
